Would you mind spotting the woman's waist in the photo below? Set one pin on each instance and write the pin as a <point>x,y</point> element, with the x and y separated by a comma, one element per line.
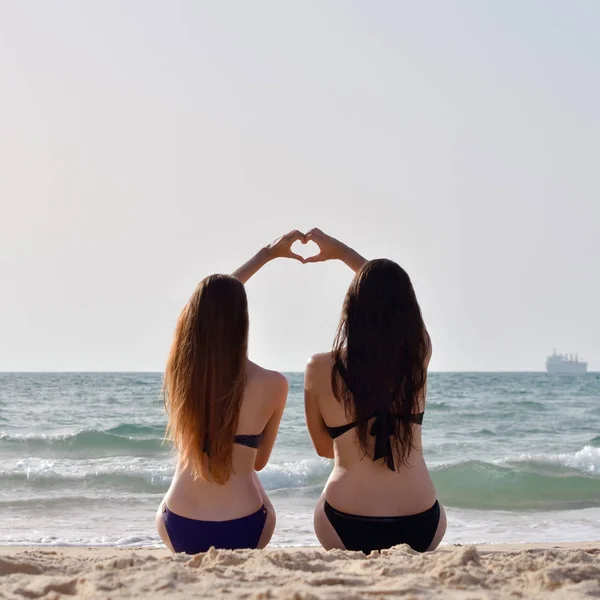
<point>352,460</point>
<point>207,500</point>
<point>377,491</point>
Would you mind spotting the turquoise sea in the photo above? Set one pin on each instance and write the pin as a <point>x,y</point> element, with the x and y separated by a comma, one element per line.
<point>514,456</point>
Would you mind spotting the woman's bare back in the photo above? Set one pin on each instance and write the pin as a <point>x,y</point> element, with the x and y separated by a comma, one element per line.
<point>359,485</point>
<point>260,413</point>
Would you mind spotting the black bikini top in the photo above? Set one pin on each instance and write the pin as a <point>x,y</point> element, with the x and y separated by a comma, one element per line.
<point>383,427</point>
<point>249,440</point>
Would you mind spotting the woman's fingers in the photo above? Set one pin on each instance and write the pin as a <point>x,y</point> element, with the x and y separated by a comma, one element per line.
<point>292,237</point>
<point>328,246</point>
<point>314,259</point>
<point>316,236</point>
<point>322,240</point>
<point>297,257</point>
<point>288,240</point>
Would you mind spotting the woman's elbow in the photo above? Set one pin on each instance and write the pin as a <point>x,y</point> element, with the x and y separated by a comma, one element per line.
<point>325,452</point>
<point>260,462</point>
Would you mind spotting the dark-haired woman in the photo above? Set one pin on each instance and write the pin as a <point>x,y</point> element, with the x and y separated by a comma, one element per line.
<point>224,413</point>
<point>365,403</point>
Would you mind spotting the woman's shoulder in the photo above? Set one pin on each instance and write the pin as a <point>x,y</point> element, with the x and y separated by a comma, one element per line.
<point>317,374</point>
<point>266,381</point>
<point>320,361</point>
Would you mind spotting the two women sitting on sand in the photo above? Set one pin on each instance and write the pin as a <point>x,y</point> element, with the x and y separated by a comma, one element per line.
<point>364,406</point>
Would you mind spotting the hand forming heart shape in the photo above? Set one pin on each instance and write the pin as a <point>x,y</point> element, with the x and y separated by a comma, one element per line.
<point>327,246</point>
<point>305,249</point>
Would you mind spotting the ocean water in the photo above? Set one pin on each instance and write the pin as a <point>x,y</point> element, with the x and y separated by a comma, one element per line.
<point>515,457</point>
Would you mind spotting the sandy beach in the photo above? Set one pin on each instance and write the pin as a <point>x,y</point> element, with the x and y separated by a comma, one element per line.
<point>452,572</point>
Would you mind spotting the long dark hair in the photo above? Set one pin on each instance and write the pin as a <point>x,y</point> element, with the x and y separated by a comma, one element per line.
<point>205,376</point>
<point>381,346</point>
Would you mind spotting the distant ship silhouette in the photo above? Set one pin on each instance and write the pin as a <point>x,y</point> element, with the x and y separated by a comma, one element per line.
<point>565,365</point>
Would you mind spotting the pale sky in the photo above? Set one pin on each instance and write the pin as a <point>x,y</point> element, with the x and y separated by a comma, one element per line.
<point>145,144</point>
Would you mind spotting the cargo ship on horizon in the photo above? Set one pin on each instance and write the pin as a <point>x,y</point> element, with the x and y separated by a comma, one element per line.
<point>563,364</point>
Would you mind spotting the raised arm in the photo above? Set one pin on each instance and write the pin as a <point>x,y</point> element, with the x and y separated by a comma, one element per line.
<point>280,248</point>
<point>332,249</point>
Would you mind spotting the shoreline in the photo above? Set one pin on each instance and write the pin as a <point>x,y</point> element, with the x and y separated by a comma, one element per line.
<point>9,550</point>
<point>567,570</point>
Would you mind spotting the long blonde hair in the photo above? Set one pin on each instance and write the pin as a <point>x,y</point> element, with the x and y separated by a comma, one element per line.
<point>205,376</point>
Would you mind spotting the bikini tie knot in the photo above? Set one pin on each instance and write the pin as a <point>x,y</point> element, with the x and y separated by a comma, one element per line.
<point>382,429</point>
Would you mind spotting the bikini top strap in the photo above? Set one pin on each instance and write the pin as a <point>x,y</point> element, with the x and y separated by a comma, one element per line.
<point>249,440</point>
<point>335,432</point>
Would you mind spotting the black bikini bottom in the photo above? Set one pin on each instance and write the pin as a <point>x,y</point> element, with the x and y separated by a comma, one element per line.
<point>358,532</point>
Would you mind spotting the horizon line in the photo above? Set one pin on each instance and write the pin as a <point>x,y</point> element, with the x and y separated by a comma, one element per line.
<point>151,372</point>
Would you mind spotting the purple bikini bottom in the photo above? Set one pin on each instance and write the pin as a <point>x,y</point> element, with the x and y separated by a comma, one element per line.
<point>193,536</point>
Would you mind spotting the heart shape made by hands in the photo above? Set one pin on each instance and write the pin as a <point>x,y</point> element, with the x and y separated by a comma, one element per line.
<point>305,249</point>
